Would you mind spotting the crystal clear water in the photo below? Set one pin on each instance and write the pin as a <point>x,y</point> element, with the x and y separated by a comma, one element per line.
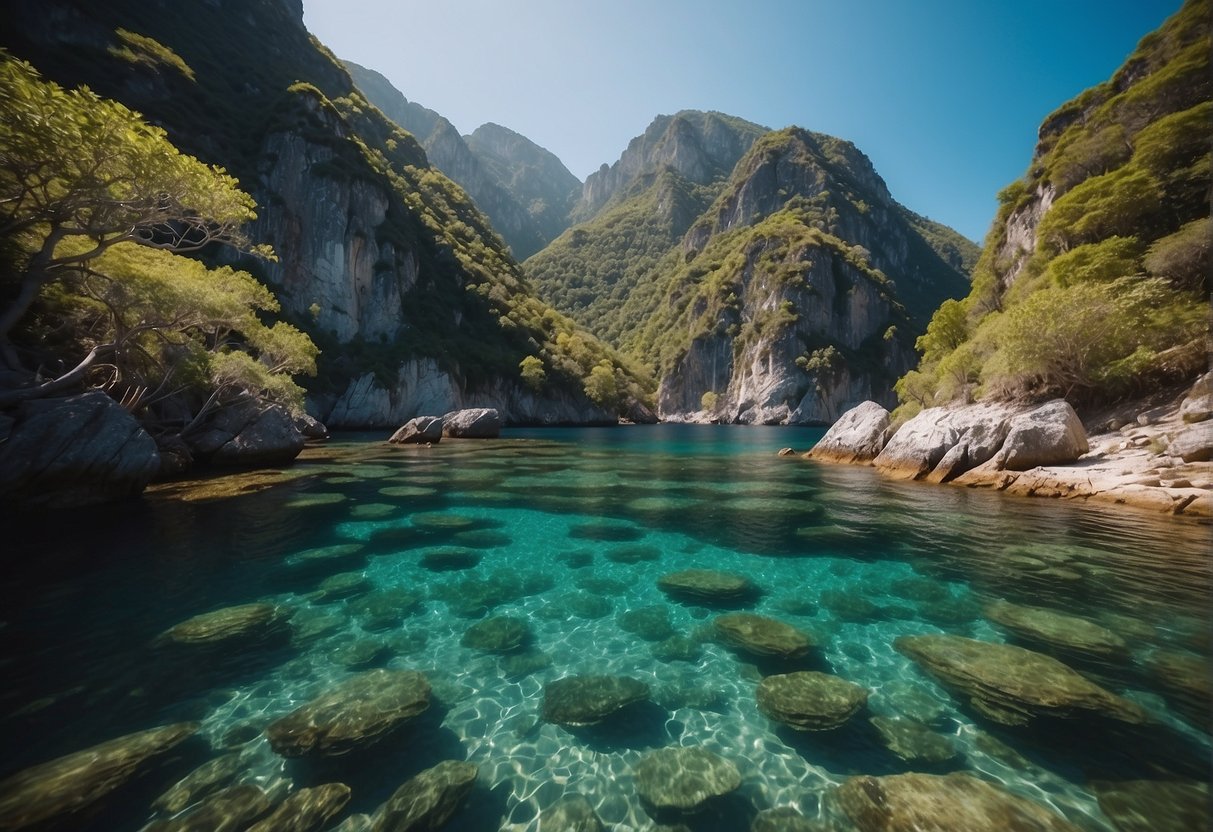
<point>570,530</point>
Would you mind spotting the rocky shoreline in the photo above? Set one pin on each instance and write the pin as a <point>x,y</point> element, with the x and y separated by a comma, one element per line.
<point>1150,456</point>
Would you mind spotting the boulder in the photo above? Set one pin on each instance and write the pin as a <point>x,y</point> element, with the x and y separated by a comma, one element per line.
<point>1155,805</point>
<point>427,801</point>
<point>758,635</point>
<point>859,435</point>
<point>59,793</point>
<point>418,431</point>
<point>75,451</point>
<point>577,701</point>
<point>1051,434</point>
<point>912,741</point>
<point>230,810</point>
<point>809,701</point>
<point>1056,631</point>
<point>684,779</point>
<point>202,781</point>
<point>785,819</point>
<point>708,586</point>
<point>1197,406</point>
<point>239,625</point>
<point>1193,444</point>
<point>651,623</point>
<point>1014,686</point>
<point>971,435</point>
<point>476,423</point>
<point>311,427</point>
<point>248,433</point>
<point>355,713</point>
<point>500,634</point>
<point>951,803</point>
<point>307,810</point>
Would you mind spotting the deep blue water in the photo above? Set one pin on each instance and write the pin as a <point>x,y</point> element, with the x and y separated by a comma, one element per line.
<point>569,529</point>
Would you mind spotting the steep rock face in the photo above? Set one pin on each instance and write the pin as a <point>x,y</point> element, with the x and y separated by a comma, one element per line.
<point>698,146</point>
<point>797,297</point>
<point>533,176</point>
<point>324,229</point>
<point>450,153</point>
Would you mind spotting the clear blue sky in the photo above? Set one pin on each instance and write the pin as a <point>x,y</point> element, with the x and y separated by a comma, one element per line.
<point>944,95</point>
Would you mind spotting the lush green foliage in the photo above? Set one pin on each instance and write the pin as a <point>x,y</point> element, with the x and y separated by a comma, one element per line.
<point>1113,296</point>
<point>94,202</point>
<point>140,49</point>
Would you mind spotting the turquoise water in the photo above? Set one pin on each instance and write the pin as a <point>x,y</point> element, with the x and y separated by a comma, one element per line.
<point>569,530</point>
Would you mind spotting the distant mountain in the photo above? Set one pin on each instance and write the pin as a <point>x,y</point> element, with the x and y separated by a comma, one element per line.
<point>523,189</point>
<point>1095,276</point>
<point>634,212</point>
<point>764,276</point>
<point>533,176</point>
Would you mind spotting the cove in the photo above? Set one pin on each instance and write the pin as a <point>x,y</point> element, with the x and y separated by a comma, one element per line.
<point>497,568</point>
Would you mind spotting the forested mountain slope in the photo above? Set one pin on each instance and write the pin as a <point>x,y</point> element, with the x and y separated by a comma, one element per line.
<point>415,302</point>
<point>1095,276</point>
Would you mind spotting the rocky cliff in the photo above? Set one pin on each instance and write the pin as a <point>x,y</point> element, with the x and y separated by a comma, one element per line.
<point>381,258</point>
<point>1093,283</point>
<point>525,195</point>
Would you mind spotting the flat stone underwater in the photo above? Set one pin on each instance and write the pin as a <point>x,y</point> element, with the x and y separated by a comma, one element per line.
<point>574,603</point>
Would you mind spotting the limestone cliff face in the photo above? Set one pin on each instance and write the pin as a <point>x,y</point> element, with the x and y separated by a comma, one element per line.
<point>698,146</point>
<point>330,265</point>
<point>761,366</point>
<point>799,277</point>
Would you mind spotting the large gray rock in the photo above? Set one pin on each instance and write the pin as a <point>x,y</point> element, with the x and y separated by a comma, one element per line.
<point>1051,434</point>
<point>1197,406</point>
<point>418,431</point>
<point>684,778</point>
<point>577,701</point>
<point>75,451</point>
<point>476,423</point>
<point>248,433</point>
<point>1194,443</point>
<point>964,436</point>
<point>810,701</point>
<point>858,436</point>
<point>59,793</point>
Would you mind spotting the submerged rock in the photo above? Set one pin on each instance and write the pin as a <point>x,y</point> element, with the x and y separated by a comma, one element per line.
<point>475,423</point>
<point>572,814</point>
<point>650,623</point>
<point>427,801</point>
<point>230,810</point>
<point>858,436</point>
<point>1011,685</point>
<point>231,625</point>
<point>501,634</point>
<point>684,778</point>
<point>342,585</point>
<point>1155,805</point>
<point>1067,633</point>
<point>385,609</point>
<point>61,791</point>
<point>758,635</point>
<point>707,585</point>
<point>206,779</point>
<point>577,701</point>
<point>418,431</point>
<point>912,741</point>
<point>785,819</point>
<point>355,713</point>
<point>307,810</point>
<point>449,559</point>
<point>809,701</point>
<point>951,803</point>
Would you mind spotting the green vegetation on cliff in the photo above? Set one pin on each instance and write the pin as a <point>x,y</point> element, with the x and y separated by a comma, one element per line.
<point>469,308</point>
<point>1094,279</point>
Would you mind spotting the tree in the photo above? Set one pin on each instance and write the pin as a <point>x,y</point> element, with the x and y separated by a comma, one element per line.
<point>532,372</point>
<point>80,174</point>
<point>601,386</point>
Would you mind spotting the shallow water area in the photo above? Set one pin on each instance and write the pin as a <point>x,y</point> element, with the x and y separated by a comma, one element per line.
<point>541,543</point>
